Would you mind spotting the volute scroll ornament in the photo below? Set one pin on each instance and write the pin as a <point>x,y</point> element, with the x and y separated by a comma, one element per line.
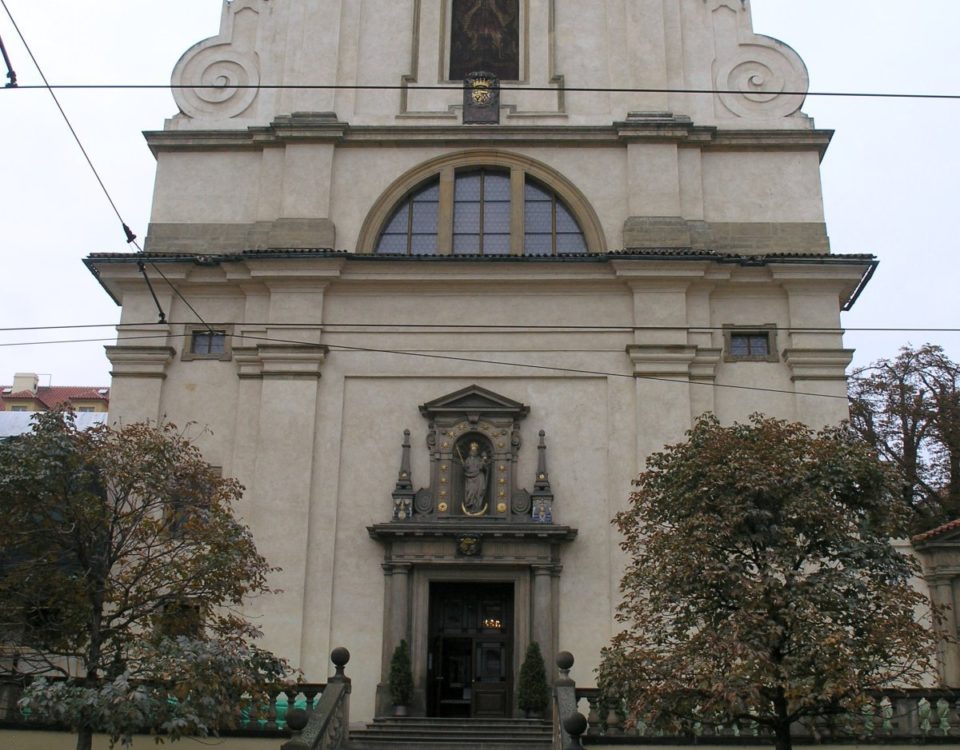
<point>755,76</point>
<point>219,77</point>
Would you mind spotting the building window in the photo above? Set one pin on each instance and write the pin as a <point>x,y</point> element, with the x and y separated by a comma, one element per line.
<point>18,408</point>
<point>481,213</point>
<point>485,36</point>
<point>750,343</point>
<point>413,227</point>
<point>203,342</point>
<point>85,409</point>
<point>207,342</point>
<point>485,211</point>
<point>180,618</point>
<point>549,227</point>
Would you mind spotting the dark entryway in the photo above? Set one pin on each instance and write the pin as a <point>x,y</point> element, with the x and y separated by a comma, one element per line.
<point>470,667</point>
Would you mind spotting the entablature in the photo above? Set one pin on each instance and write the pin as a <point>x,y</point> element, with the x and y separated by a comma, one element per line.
<point>325,128</point>
<point>304,269</point>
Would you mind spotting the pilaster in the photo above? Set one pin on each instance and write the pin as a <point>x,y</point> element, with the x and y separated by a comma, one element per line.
<point>138,373</point>
<point>544,632</point>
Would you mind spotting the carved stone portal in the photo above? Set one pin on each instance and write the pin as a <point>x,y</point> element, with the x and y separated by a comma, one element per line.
<point>474,441</point>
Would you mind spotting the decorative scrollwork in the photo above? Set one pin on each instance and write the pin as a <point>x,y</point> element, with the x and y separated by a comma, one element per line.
<point>762,82</point>
<point>219,78</point>
<point>222,83</point>
<point>423,502</point>
<point>521,502</point>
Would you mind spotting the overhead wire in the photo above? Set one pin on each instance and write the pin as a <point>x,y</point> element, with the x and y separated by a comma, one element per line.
<point>459,87</point>
<point>449,357</point>
<point>131,238</point>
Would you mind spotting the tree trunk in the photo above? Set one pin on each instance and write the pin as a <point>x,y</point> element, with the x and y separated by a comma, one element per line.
<point>781,728</point>
<point>782,738</point>
<point>84,739</point>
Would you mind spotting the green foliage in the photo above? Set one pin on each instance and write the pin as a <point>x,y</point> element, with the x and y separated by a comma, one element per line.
<point>115,542</point>
<point>401,676</point>
<point>533,692</point>
<point>761,584</point>
<point>908,410</point>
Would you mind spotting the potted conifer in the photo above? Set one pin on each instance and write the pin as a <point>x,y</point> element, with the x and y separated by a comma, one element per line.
<point>401,679</point>
<point>533,693</point>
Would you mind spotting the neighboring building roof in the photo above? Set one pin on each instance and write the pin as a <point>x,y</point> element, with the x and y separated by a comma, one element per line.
<point>13,423</point>
<point>52,396</point>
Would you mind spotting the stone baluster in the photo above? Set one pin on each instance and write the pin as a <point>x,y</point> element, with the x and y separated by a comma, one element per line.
<point>614,723</point>
<point>593,717</point>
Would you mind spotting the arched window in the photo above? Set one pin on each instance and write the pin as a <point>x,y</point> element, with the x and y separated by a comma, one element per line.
<point>481,211</point>
<point>413,227</point>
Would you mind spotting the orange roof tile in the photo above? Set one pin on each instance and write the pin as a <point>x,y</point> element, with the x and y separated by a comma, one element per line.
<point>59,395</point>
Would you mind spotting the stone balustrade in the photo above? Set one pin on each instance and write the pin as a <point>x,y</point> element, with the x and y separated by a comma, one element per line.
<point>930,716</point>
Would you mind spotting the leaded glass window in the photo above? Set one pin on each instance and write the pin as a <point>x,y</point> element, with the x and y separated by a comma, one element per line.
<point>412,230</point>
<point>548,226</point>
<point>481,211</point>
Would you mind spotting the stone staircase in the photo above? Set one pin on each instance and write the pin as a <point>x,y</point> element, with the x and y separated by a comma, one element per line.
<point>453,734</point>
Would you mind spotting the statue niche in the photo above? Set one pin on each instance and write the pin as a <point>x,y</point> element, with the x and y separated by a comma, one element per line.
<point>473,437</point>
<point>471,474</point>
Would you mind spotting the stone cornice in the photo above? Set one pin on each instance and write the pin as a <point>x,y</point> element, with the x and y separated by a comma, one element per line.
<point>139,361</point>
<point>284,361</point>
<point>319,128</point>
<point>301,270</point>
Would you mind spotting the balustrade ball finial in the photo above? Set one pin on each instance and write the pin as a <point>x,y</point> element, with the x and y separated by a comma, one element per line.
<point>297,719</point>
<point>575,725</point>
<point>340,656</point>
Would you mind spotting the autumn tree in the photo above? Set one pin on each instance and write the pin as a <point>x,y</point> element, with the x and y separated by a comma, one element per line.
<point>762,587</point>
<point>908,409</point>
<point>121,570</point>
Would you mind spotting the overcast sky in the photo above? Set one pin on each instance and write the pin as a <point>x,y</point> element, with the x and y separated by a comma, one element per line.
<point>890,178</point>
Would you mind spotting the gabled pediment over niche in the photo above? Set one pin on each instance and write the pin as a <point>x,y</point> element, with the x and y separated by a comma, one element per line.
<point>474,400</point>
<point>474,440</point>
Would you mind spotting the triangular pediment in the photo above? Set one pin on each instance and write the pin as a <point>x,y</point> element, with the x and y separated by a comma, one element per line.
<point>947,535</point>
<point>474,400</point>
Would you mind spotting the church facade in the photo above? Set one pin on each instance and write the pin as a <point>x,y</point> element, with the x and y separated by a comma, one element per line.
<point>438,275</point>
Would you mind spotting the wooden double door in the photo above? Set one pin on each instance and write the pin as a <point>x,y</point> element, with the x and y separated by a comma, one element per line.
<point>470,664</point>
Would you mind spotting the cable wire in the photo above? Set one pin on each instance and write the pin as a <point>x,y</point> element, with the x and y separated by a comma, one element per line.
<point>449,357</point>
<point>131,237</point>
<point>459,87</point>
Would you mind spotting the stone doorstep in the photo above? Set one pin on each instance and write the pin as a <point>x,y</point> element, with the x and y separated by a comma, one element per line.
<point>447,745</point>
<point>462,734</point>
